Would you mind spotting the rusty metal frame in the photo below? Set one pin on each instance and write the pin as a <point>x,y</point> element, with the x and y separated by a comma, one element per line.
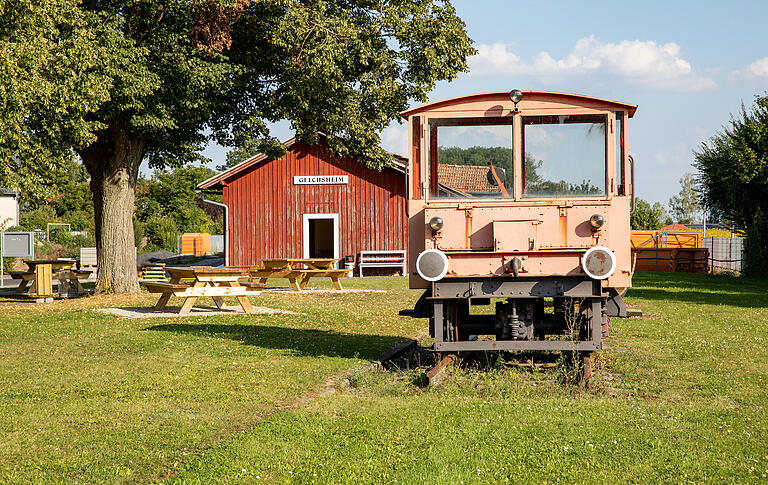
<point>511,287</point>
<point>450,290</point>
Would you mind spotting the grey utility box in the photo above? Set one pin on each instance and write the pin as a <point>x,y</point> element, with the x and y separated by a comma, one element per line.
<point>18,245</point>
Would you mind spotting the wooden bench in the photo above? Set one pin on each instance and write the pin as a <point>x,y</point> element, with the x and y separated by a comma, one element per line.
<point>60,271</point>
<point>252,285</point>
<point>183,290</point>
<point>152,272</point>
<point>163,287</point>
<point>69,282</point>
<point>264,274</point>
<point>25,277</point>
<point>382,259</point>
<point>18,275</point>
<point>206,281</point>
<point>304,275</point>
<point>41,278</point>
<point>298,277</point>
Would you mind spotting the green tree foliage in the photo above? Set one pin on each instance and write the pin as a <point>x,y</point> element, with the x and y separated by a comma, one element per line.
<point>478,156</point>
<point>38,218</point>
<point>168,202</point>
<point>536,184</point>
<point>647,217</point>
<point>157,79</point>
<point>73,204</point>
<point>71,201</point>
<point>51,81</point>
<point>684,207</point>
<point>733,178</point>
<point>162,233</point>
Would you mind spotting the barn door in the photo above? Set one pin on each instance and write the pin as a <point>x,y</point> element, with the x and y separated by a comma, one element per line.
<point>321,236</point>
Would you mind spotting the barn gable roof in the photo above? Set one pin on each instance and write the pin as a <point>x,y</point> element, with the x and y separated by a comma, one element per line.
<point>399,163</point>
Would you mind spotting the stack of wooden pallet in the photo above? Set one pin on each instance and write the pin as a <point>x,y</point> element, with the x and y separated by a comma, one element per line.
<point>152,272</point>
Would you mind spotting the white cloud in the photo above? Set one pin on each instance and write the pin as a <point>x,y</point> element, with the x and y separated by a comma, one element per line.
<point>643,63</point>
<point>758,68</point>
<point>755,73</point>
<point>394,138</point>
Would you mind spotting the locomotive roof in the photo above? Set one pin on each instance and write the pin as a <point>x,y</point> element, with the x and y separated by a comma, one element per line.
<point>563,98</point>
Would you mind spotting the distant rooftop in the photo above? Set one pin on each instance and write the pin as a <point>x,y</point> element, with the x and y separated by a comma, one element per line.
<point>695,227</point>
<point>465,178</point>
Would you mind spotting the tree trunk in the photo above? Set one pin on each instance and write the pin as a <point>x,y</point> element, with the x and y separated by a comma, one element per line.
<point>113,163</point>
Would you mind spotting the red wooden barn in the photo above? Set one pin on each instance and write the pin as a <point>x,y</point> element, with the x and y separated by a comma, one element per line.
<point>311,204</point>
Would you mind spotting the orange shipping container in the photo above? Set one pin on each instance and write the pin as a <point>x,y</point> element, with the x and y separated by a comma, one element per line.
<point>196,243</point>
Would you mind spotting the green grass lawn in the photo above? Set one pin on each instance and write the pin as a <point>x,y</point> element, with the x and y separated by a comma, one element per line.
<point>681,396</point>
<point>87,397</point>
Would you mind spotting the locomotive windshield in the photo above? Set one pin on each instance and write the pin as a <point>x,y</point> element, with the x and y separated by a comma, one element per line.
<point>564,156</point>
<point>472,158</point>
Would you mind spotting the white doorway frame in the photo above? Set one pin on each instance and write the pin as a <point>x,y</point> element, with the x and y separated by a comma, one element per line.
<point>305,230</point>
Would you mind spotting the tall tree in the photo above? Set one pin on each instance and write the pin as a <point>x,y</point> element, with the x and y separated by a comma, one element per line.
<point>733,178</point>
<point>684,207</point>
<point>184,72</point>
<point>50,82</point>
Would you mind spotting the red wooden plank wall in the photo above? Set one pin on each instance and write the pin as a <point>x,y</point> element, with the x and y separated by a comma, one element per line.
<point>266,208</point>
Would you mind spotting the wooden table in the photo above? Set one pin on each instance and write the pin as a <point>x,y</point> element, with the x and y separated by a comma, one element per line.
<point>290,263</point>
<point>202,281</point>
<point>299,277</point>
<point>64,269</point>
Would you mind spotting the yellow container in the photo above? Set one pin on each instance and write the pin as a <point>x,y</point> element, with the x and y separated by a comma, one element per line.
<point>669,239</point>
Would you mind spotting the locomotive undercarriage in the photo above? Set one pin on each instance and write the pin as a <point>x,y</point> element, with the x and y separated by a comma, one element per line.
<point>522,319</point>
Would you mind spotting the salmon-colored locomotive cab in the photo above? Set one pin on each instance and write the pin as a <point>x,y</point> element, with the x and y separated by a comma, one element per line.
<point>520,195</point>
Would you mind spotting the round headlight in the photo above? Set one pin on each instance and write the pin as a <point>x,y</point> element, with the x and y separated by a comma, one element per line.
<point>432,264</point>
<point>597,221</point>
<point>436,223</point>
<point>515,96</point>
<point>598,262</point>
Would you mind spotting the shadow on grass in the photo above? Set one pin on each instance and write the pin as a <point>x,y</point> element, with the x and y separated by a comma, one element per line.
<point>308,342</point>
<point>700,288</point>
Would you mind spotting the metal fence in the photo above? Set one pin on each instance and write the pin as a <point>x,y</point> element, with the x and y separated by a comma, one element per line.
<point>217,243</point>
<point>725,254</point>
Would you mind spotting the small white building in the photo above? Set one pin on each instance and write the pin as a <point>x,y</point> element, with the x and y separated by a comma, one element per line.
<point>9,208</point>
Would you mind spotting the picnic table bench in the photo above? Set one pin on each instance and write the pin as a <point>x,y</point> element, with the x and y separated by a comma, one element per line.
<point>67,276</point>
<point>205,281</point>
<point>299,277</point>
<point>382,259</point>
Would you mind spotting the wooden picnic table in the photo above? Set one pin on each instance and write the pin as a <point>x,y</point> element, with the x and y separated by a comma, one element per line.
<point>201,281</point>
<point>299,277</point>
<point>68,277</point>
<point>310,263</point>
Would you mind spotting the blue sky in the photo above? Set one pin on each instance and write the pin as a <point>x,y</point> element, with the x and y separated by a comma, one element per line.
<point>687,65</point>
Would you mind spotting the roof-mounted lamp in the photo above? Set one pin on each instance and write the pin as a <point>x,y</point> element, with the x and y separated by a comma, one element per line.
<point>516,96</point>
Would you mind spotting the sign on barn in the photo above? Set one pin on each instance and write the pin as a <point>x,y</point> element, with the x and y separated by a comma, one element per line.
<point>320,180</point>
